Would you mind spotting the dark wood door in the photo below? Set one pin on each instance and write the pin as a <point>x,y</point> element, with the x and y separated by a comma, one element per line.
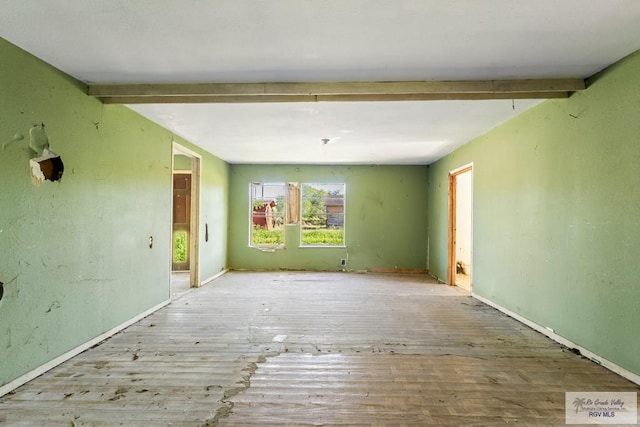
<point>181,221</point>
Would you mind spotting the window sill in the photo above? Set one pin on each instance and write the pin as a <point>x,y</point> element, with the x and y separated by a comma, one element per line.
<point>323,246</point>
<point>267,248</point>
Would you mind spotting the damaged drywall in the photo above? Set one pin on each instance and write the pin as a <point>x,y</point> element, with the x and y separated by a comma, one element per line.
<point>47,166</point>
<point>16,137</point>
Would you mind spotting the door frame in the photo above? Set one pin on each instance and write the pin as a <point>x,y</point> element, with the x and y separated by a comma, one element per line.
<point>194,228</point>
<point>451,261</point>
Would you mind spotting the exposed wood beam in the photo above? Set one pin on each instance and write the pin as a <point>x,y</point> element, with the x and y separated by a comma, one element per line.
<point>335,92</point>
<point>235,99</point>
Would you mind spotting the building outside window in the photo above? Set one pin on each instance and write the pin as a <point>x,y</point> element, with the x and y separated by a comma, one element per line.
<point>322,214</point>
<point>267,203</point>
<point>318,208</point>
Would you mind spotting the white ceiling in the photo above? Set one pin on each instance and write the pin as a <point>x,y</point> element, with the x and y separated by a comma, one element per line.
<point>180,41</point>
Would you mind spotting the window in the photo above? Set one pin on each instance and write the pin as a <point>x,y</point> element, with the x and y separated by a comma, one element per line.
<point>317,208</point>
<point>267,214</point>
<point>322,214</point>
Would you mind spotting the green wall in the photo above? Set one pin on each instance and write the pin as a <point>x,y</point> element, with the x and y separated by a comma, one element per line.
<point>385,218</point>
<point>555,215</point>
<point>181,163</point>
<point>75,254</point>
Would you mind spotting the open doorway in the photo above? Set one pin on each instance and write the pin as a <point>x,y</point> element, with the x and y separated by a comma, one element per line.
<point>185,214</point>
<point>460,227</point>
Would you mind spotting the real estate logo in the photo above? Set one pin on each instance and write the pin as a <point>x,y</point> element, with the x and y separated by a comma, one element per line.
<point>601,407</point>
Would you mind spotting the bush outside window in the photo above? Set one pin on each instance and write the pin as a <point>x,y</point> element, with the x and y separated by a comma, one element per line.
<point>322,214</point>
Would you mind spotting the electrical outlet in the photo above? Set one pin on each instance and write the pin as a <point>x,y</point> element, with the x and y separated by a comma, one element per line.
<point>343,262</point>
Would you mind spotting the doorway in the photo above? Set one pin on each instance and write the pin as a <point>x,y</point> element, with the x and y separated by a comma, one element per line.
<point>185,214</point>
<point>460,227</point>
<point>180,253</point>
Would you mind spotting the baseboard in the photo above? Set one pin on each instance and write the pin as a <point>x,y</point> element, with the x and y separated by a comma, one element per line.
<point>214,277</point>
<point>562,340</point>
<point>397,270</point>
<point>74,352</point>
<point>437,279</point>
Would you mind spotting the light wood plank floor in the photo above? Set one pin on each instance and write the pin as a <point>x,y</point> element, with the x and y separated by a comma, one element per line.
<point>315,349</point>
<point>179,283</point>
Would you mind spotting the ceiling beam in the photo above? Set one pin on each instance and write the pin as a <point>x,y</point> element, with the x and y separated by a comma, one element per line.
<point>335,91</point>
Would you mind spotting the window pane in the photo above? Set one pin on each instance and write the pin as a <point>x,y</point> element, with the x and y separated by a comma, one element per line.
<point>267,214</point>
<point>322,207</point>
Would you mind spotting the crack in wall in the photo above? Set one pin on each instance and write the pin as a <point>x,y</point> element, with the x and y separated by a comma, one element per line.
<point>227,403</point>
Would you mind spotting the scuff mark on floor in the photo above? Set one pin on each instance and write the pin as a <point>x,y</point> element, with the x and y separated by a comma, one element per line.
<point>119,394</point>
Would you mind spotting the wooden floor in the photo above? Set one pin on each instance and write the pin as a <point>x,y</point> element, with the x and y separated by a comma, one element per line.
<point>179,283</point>
<point>256,349</point>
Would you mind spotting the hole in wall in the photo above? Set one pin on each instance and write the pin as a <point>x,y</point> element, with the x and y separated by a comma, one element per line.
<point>1,290</point>
<point>47,165</point>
